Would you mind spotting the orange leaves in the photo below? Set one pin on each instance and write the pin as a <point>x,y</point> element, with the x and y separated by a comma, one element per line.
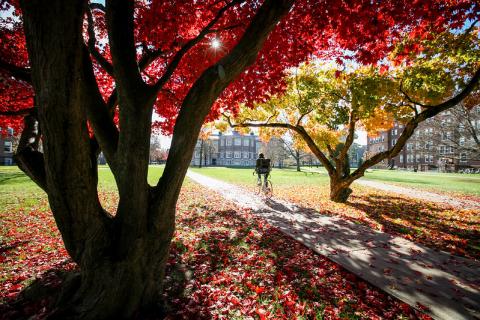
<point>452,230</point>
<point>380,120</point>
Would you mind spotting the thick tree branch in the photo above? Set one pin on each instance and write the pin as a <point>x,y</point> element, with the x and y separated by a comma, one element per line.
<point>27,156</point>
<point>350,136</point>
<point>297,129</point>
<point>190,44</point>
<point>410,127</point>
<point>104,63</point>
<point>199,100</point>
<point>100,117</point>
<point>303,115</point>
<point>22,112</point>
<point>119,17</point>
<point>20,73</point>
<point>98,6</point>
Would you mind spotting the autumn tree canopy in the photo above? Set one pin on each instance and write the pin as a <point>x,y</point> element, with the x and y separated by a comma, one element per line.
<point>174,48</point>
<point>80,77</point>
<point>325,107</point>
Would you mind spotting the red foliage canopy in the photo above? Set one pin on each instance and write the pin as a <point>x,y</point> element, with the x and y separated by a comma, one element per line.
<point>174,41</point>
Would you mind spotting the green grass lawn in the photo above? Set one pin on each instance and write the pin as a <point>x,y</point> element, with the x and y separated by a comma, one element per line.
<point>441,182</point>
<point>16,189</point>
<point>279,177</point>
<point>444,182</point>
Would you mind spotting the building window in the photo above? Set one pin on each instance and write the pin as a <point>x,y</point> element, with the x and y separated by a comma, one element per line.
<point>417,156</point>
<point>401,158</point>
<point>394,141</point>
<point>431,158</point>
<point>426,158</point>
<point>229,142</point>
<point>462,141</point>
<point>236,155</point>
<point>463,157</point>
<point>237,141</point>
<point>246,155</point>
<point>228,154</point>
<point>7,146</point>
<point>222,142</point>
<point>442,149</point>
<point>246,142</point>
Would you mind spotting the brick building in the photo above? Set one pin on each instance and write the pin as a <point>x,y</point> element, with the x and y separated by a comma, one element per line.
<point>6,147</point>
<point>446,142</point>
<point>227,150</point>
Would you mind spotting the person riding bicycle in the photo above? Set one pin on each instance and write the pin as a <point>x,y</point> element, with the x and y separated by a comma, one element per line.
<point>262,168</point>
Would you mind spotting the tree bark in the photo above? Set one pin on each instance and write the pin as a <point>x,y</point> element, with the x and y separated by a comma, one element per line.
<point>201,154</point>
<point>297,159</point>
<point>339,190</point>
<point>122,257</point>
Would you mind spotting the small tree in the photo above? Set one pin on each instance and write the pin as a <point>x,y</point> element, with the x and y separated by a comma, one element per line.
<point>295,148</point>
<point>324,107</point>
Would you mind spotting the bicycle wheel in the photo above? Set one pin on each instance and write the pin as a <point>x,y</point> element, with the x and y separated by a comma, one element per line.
<point>268,190</point>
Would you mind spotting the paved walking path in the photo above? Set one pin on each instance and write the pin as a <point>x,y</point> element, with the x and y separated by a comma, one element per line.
<point>449,286</point>
<point>421,195</point>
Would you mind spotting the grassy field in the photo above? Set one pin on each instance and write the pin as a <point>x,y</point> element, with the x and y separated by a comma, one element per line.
<point>442,182</point>
<point>222,259</point>
<point>19,183</point>
<point>280,177</point>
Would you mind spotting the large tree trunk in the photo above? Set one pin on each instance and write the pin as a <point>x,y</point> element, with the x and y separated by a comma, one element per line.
<point>122,257</point>
<point>339,189</point>
<point>201,154</point>
<point>115,285</point>
<point>297,159</point>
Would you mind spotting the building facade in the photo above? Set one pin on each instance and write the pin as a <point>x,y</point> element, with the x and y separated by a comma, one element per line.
<point>447,142</point>
<point>6,147</point>
<point>227,150</point>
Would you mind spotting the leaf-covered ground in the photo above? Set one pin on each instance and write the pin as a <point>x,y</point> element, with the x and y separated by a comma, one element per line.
<point>224,263</point>
<point>435,225</point>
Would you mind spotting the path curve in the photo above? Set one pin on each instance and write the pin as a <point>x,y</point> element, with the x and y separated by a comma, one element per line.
<point>447,286</point>
<point>421,195</point>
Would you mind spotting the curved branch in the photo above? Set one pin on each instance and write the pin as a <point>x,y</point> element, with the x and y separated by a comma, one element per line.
<point>190,44</point>
<point>27,157</point>
<point>410,127</point>
<point>299,130</point>
<point>22,112</point>
<point>104,63</point>
<point>16,71</point>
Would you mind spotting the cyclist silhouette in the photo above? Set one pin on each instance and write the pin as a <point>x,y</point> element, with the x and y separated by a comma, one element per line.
<point>262,168</point>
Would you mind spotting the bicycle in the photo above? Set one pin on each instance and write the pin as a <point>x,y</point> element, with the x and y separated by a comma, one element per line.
<point>264,189</point>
